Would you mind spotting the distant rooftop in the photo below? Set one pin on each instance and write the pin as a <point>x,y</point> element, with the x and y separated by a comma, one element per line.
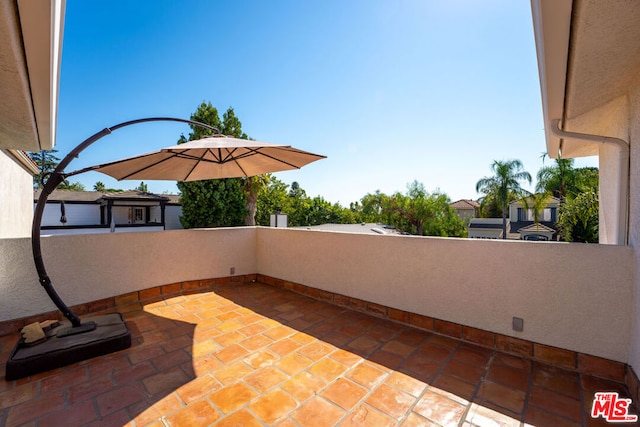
<point>487,223</point>
<point>465,204</point>
<point>366,228</point>
<point>97,196</point>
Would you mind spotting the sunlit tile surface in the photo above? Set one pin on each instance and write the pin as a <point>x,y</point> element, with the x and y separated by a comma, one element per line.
<point>256,355</point>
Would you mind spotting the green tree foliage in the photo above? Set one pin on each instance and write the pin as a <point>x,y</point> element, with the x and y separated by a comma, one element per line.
<point>558,179</point>
<point>373,208</point>
<point>490,207</point>
<point>74,186</point>
<point>417,212</point>
<point>142,187</point>
<point>587,178</point>
<point>99,186</point>
<point>271,199</point>
<point>47,161</point>
<point>564,181</point>
<point>216,202</point>
<point>301,209</point>
<point>577,189</point>
<point>578,218</point>
<point>212,203</point>
<point>420,213</point>
<point>503,186</point>
<point>537,202</point>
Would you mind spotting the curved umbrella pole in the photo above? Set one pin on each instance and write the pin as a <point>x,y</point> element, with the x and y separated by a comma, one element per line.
<point>55,178</point>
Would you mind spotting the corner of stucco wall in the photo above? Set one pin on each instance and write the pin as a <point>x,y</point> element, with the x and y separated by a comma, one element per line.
<point>634,219</point>
<point>16,194</point>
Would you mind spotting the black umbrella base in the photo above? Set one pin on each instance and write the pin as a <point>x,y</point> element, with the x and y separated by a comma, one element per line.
<point>65,345</point>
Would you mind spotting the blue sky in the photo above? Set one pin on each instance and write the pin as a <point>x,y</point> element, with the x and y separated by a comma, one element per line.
<point>389,91</point>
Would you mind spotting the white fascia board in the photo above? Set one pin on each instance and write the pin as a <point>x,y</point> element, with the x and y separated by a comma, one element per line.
<point>552,28</point>
<point>42,23</point>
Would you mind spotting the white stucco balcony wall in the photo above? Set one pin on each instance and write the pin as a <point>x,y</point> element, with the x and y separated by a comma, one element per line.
<point>90,267</point>
<point>574,296</point>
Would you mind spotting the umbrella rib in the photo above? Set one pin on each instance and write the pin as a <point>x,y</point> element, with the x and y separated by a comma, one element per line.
<point>146,167</point>
<point>257,151</point>
<point>230,158</point>
<point>199,159</point>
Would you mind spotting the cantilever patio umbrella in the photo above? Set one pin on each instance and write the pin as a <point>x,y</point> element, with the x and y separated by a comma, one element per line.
<point>216,156</point>
<point>212,157</point>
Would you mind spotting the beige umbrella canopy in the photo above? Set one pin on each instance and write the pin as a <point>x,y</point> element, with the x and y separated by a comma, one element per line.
<point>212,157</point>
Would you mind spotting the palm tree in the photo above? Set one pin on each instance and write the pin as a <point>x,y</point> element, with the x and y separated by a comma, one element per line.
<point>504,185</point>
<point>537,202</point>
<point>559,179</point>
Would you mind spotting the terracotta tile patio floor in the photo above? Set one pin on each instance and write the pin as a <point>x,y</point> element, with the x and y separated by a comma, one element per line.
<point>255,355</point>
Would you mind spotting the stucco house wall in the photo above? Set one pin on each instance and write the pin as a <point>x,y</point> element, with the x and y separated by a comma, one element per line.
<point>16,184</point>
<point>172,217</point>
<point>634,223</point>
<point>514,206</point>
<point>76,214</point>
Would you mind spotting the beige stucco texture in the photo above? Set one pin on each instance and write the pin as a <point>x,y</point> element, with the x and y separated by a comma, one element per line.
<point>560,290</point>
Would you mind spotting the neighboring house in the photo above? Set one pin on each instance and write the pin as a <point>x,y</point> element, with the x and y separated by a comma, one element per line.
<point>83,212</point>
<point>537,232</point>
<point>486,228</point>
<point>521,217</point>
<point>520,224</point>
<point>466,209</point>
<point>173,212</point>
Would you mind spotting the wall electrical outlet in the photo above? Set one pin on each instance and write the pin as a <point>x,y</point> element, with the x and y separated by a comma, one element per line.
<point>232,270</point>
<point>518,324</point>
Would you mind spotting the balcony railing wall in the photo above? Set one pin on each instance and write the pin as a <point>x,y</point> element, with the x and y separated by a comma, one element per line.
<point>90,267</point>
<point>573,296</point>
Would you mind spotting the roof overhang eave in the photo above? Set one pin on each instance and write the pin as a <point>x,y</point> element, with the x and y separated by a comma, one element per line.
<point>32,32</point>
<point>552,31</point>
<point>44,62</point>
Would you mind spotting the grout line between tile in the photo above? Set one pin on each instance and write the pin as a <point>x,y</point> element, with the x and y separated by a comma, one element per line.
<point>523,415</point>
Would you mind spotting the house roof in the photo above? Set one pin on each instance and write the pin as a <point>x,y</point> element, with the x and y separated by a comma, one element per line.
<point>486,223</point>
<point>25,160</point>
<point>30,54</point>
<point>518,226</point>
<point>134,195</point>
<point>465,204</point>
<point>97,196</point>
<point>366,228</point>
<point>534,227</point>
